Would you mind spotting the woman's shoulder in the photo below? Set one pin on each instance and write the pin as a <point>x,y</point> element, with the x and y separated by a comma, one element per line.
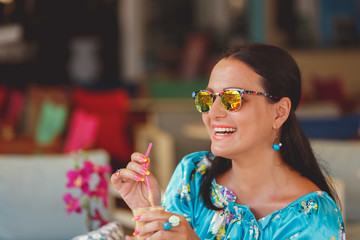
<point>313,211</point>
<point>313,205</point>
<point>320,201</point>
<point>184,183</point>
<point>192,167</point>
<point>317,215</point>
<point>196,160</point>
<point>312,216</point>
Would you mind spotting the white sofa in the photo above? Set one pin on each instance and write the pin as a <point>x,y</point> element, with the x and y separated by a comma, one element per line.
<point>343,161</point>
<point>31,190</point>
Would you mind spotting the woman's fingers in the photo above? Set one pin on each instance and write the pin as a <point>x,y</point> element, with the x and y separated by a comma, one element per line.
<point>133,171</point>
<point>130,182</point>
<point>136,170</point>
<point>151,227</point>
<point>140,158</point>
<point>124,175</point>
<point>155,224</point>
<point>154,215</point>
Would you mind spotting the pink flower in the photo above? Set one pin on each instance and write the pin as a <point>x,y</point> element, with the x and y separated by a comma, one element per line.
<point>72,204</point>
<point>78,180</point>
<point>98,217</point>
<point>101,190</point>
<point>101,170</point>
<point>88,168</point>
<point>81,178</point>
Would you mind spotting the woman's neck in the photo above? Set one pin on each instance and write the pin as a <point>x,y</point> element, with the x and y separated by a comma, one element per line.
<point>256,176</point>
<point>265,184</point>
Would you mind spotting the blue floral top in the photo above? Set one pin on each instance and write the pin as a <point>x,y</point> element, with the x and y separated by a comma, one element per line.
<point>313,216</point>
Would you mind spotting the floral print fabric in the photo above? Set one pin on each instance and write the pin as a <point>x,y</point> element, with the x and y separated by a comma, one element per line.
<point>313,216</point>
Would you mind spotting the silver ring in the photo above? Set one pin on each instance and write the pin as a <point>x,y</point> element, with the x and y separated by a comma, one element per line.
<point>118,173</point>
<point>174,221</point>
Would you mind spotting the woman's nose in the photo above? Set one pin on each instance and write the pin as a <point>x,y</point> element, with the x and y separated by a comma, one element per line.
<point>217,110</point>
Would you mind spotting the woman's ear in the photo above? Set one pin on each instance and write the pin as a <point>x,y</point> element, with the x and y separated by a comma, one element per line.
<point>282,111</point>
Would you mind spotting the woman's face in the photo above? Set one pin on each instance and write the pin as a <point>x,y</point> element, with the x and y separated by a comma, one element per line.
<point>250,128</point>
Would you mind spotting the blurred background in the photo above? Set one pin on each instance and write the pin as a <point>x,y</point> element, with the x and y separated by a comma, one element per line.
<point>116,74</point>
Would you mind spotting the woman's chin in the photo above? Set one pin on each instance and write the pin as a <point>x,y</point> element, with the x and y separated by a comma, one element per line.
<point>219,151</point>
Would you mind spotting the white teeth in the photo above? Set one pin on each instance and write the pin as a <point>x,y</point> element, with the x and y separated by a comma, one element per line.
<point>224,130</point>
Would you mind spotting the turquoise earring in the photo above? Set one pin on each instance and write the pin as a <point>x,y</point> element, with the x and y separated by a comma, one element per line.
<point>276,146</point>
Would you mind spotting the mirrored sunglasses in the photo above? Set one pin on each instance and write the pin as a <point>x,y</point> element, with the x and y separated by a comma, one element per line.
<point>231,98</point>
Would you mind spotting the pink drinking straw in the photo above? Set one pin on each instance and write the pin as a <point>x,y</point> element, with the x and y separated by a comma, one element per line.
<point>151,197</point>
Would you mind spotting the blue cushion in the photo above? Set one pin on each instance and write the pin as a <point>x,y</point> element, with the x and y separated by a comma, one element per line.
<point>341,128</point>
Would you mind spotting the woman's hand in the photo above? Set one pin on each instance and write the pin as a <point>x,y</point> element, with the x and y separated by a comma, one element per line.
<point>131,185</point>
<point>155,225</point>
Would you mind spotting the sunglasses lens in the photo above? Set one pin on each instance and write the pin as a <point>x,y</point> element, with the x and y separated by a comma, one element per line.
<point>231,100</point>
<point>203,101</point>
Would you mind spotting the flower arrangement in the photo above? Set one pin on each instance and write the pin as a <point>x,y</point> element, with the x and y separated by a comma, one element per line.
<point>84,179</point>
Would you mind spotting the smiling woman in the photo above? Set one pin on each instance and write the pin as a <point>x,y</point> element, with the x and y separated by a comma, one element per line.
<point>260,180</point>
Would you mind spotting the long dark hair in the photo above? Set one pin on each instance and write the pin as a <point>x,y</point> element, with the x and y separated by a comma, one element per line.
<point>280,77</point>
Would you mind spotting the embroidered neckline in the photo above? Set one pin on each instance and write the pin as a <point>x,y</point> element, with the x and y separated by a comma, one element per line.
<point>223,196</point>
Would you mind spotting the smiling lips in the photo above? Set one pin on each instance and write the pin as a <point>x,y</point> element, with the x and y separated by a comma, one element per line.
<point>221,132</point>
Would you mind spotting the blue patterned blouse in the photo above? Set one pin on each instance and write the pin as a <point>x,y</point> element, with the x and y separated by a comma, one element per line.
<point>313,216</point>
